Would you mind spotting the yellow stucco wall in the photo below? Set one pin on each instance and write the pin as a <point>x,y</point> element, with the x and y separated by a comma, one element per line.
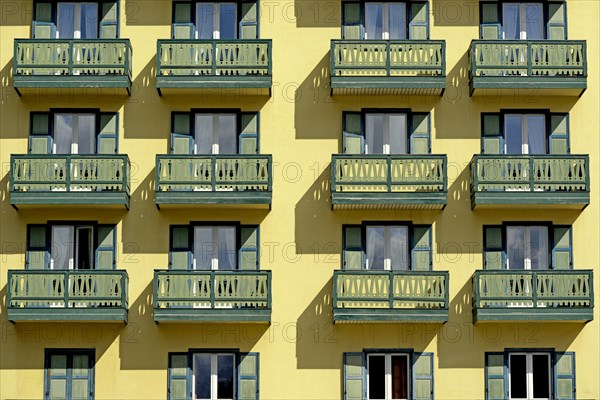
<point>301,352</point>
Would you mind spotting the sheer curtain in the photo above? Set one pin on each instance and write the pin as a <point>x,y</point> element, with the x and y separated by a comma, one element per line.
<point>89,20</point>
<point>398,247</point>
<point>397,133</point>
<point>204,248</point>
<point>63,133</point>
<point>375,247</point>
<point>204,134</point>
<point>534,21</point>
<point>65,27</point>
<point>61,247</point>
<point>86,133</point>
<point>205,17</point>
<point>511,21</point>
<point>538,247</point>
<point>228,21</point>
<point>374,134</point>
<point>227,250</point>
<point>536,134</point>
<point>227,139</point>
<point>515,237</point>
<point>374,21</point>
<point>397,20</point>
<point>513,134</point>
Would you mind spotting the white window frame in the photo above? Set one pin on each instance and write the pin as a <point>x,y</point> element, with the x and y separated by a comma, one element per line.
<point>75,130</point>
<point>528,246</point>
<point>523,17</point>
<point>217,18</point>
<point>215,148</point>
<point>214,378</point>
<point>385,16</point>
<point>214,263</point>
<point>529,369</point>
<point>76,16</point>
<point>387,245</point>
<point>387,147</point>
<point>73,245</point>
<point>388,373</point>
<point>524,131</point>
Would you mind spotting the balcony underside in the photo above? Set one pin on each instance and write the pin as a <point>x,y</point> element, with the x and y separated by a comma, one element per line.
<point>386,85</point>
<point>528,85</point>
<point>221,315</point>
<point>389,201</point>
<point>82,314</point>
<point>518,199</point>
<point>52,84</point>
<point>516,314</point>
<point>216,85</point>
<point>235,199</point>
<point>389,316</point>
<point>60,198</point>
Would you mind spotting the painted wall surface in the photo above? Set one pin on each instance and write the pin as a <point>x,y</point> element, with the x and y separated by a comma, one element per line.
<point>301,351</point>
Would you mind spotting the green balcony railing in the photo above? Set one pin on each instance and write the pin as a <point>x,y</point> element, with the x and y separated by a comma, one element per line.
<point>77,179</point>
<point>67,295</point>
<point>214,63</point>
<point>563,61</point>
<point>549,179</point>
<point>214,178</point>
<point>72,63</point>
<point>390,296</point>
<point>212,295</point>
<point>388,179</point>
<point>387,64</point>
<point>533,295</point>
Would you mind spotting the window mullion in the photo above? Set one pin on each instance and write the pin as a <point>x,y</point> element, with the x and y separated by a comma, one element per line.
<point>388,376</point>
<point>529,367</point>
<point>214,379</point>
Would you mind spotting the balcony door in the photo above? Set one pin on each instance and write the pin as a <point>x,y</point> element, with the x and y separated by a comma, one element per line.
<point>388,376</point>
<point>216,21</point>
<point>527,247</point>
<point>387,248</point>
<point>77,21</point>
<point>74,133</point>
<point>529,376</point>
<point>523,21</point>
<point>216,134</point>
<point>214,376</point>
<point>215,248</point>
<point>72,247</point>
<point>385,21</point>
<point>386,133</point>
<point>525,134</point>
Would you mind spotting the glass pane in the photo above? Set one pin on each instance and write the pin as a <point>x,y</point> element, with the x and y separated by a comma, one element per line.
<point>397,18</point>
<point>61,247</point>
<point>398,247</point>
<point>541,376</point>
<point>518,375</point>
<point>225,376</point>
<point>375,247</point>
<point>511,21</point>
<point>205,16</point>
<point>399,377</point>
<point>513,134</point>
<point>204,248</point>
<point>536,134</point>
<point>63,133</point>
<point>515,238</point>
<point>204,134</point>
<point>374,20</point>
<point>86,133</point>
<point>538,247</point>
<point>66,20</point>
<point>202,376</point>
<point>376,376</point>
<point>534,24</point>
<point>89,20</point>
<point>228,21</point>
<point>84,247</point>
<point>397,133</point>
<point>227,134</point>
<point>374,131</point>
<point>227,248</point>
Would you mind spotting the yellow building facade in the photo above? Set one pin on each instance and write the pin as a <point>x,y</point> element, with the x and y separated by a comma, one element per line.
<point>299,199</point>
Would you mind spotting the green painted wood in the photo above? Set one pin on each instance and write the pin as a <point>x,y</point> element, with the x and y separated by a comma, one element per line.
<point>72,63</point>
<point>74,179</point>
<point>538,179</point>
<point>537,295</point>
<point>63,294</point>
<point>364,295</point>
<point>203,295</point>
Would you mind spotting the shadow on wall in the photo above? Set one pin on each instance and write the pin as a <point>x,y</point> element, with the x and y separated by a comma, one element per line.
<point>455,13</point>
<point>310,13</point>
<point>148,12</point>
<point>4,186</point>
<point>312,98</point>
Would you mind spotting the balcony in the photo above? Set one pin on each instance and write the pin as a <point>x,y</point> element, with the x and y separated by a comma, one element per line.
<point>552,295</point>
<point>388,67</point>
<point>390,296</point>
<point>212,296</point>
<point>388,182</point>
<point>244,66</point>
<point>102,64</point>
<point>67,295</point>
<point>54,180</point>
<point>528,67</point>
<point>546,181</point>
<point>232,180</point>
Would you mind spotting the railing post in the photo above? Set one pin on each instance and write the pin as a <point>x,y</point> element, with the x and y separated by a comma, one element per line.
<point>335,289</point>
<point>213,288</point>
<point>391,290</point>
<point>531,174</point>
<point>388,66</point>
<point>214,60</point>
<point>213,175</point>
<point>529,59</point>
<point>70,53</point>
<point>534,288</point>
<point>68,173</point>
<point>66,287</point>
<point>389,173</point>
<point>333,167</point>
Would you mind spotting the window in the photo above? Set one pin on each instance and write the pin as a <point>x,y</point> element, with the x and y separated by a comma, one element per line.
<point>382,132</point>
<point>222,375</point>
<point>69,374</point>
<point>388,375</point>
<point>527,247</point>
<point>224,132</point>
<point>62,246</point>
<point>74,133</point>
<point>530,374</point>
<point>522,21</point>
<point>214,247</point>
<point>390,20</point>
<point>75,20</point>
<point>375,246</point>
<point>216,21</point>
<point>525,133</point>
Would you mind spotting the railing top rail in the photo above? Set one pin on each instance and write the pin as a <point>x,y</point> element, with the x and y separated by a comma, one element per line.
<point>517,41</point>
<point>102,40</point>
<point>213,156</point>
<point>158,272</point>
<point>528,156</point>
<point>68,272</point>
<point>389,156</point>
<point>216,41</point>
<point>387,273</point>
<point>70,156</point>
<point>382,41</point>
<point>533,272</point>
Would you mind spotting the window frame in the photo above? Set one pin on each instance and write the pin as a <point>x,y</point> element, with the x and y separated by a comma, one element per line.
<point>525,147</point>
<point>527,246</point>
<point>529,353</point>
<point>523,17</point>
<point>387,133</point>
<point>194,18</point>
<point>69,353</point>
<point>407,354</point>
<point>74,224</point>
<point>214,373</point>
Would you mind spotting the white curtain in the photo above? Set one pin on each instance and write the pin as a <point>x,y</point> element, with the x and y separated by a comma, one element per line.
<point>536,134</point>
<point>398,247</point>
<point>204,134</point>
<point>227,250</point>
<point>89,20</point>
<point>534,21</point>
<point>65,27</point>
<point>227,139</point>
<point>374,133</point>
<point>397,133</point>
<point>374,21</point>
<point>511,21</point>
<point>204,248</point>
<point>538,247</point>
<point>375,247</point>
<point>62,246</point>
<point>397,20</point>
<point>515,238</point>
<point>205,15</point>
<point>63,133</point>
<point>86,133</point>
